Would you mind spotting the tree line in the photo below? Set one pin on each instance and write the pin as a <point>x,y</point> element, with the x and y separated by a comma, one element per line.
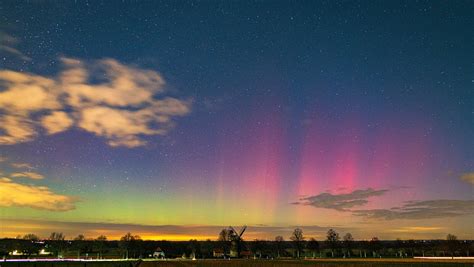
<point>296,246</point>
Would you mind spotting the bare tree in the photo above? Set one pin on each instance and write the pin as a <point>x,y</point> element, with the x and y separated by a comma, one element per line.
<point>31,237</point>
<point>80,237</point>
<point>333,240</point>
<point>129,243</point>
<point>57,236</point>
<point>30,246</point>
<point>375,245</point>
<point>313,245</point>
<point>224,240</point>
<point>348,240</point>
<point>56,240</point>
<point>99,244</point>
<point>279,244</point>
<point>80,245</point>
<point>452,244</point>
<point>298,239</point>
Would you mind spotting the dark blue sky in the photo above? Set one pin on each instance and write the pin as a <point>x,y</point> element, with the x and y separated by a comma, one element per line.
<point>310,95</point>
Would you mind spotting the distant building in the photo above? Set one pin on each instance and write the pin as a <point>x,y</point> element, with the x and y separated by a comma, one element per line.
<point>159,253</point>
<point>218,253</point>
<point>246,254</point>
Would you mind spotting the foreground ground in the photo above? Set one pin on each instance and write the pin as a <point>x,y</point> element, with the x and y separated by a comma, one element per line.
<point>236,263</point>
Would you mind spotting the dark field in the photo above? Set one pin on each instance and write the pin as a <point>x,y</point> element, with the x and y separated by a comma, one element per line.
<point>268,263</point>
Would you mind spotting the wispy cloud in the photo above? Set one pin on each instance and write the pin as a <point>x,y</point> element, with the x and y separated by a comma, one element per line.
<point>14,194</point>
<point>417,229</point>
<point>7,44</point>
<point>341,202</point>
<point>416,210</point>
<point>22,165</point>
<point>468,177</point>
<point>123,104</point>
<point>31,175</point>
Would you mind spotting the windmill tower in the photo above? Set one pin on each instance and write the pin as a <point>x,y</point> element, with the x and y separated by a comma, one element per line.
<point>236,240</point>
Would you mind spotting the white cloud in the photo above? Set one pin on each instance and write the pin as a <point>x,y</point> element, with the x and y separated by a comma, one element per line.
<point>37,197</point>
<point>109,99</point>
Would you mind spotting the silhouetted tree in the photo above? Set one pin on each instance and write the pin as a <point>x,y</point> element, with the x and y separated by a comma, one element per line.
<point>100,244</point>
<point>130,243</point>
<point>279,244</point>
<point>207,248</point>
<point>400,248</point>
<point>194,248</point>
<point>80,244</point>
<point>452,244</point>
<point>375,245</point>
<point>57,244</point>
<point>31,237</point>
<point>224,240</point>
<point>80,237</point>
<point>30,245</point>
<point>348,240</point>
<point>313,246</point>
<point>57,236</point>
<point>258,247</point>
<point>298,239</point>
<point>332,238</point>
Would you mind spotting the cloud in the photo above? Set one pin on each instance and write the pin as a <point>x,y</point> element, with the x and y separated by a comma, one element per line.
<point>114,231</point>
<point>56,122</point>
<point>31,175</point>
<point>124,127</point>
<point>7,43</point>
<point>417,210</point>
<point>120,103</point>
<point>417,229</point>
<point>27,92</point>
<point>468,177</point>
<point>3,159</point>
<point>125,86</point>
<point>341,202</point>
<point>37,197</point>
<point>22,165</point>
<point>15,129</point>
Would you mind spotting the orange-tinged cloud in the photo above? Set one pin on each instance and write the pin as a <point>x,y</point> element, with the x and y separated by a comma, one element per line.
<point>14,194</point>
<point>468,177</point>
<point>22,165</point>
<point>56,122</point>
<point>31,175</point>
<point>122,105</point>
<point>16,129</point>
<point>417,229</point>
<point>27,92</point>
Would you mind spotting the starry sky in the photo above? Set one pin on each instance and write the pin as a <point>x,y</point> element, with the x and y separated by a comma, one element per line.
<point>174,119</point>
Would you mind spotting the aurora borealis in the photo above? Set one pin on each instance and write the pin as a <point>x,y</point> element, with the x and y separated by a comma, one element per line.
<point>173,120</point>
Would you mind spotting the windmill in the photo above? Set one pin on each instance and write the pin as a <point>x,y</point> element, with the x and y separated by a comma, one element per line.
<point>236,240</point>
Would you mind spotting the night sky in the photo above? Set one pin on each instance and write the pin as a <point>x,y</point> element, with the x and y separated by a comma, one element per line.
<point>174,119</point>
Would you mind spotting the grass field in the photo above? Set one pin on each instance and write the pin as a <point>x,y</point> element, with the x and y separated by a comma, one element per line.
<point>254,263</point>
